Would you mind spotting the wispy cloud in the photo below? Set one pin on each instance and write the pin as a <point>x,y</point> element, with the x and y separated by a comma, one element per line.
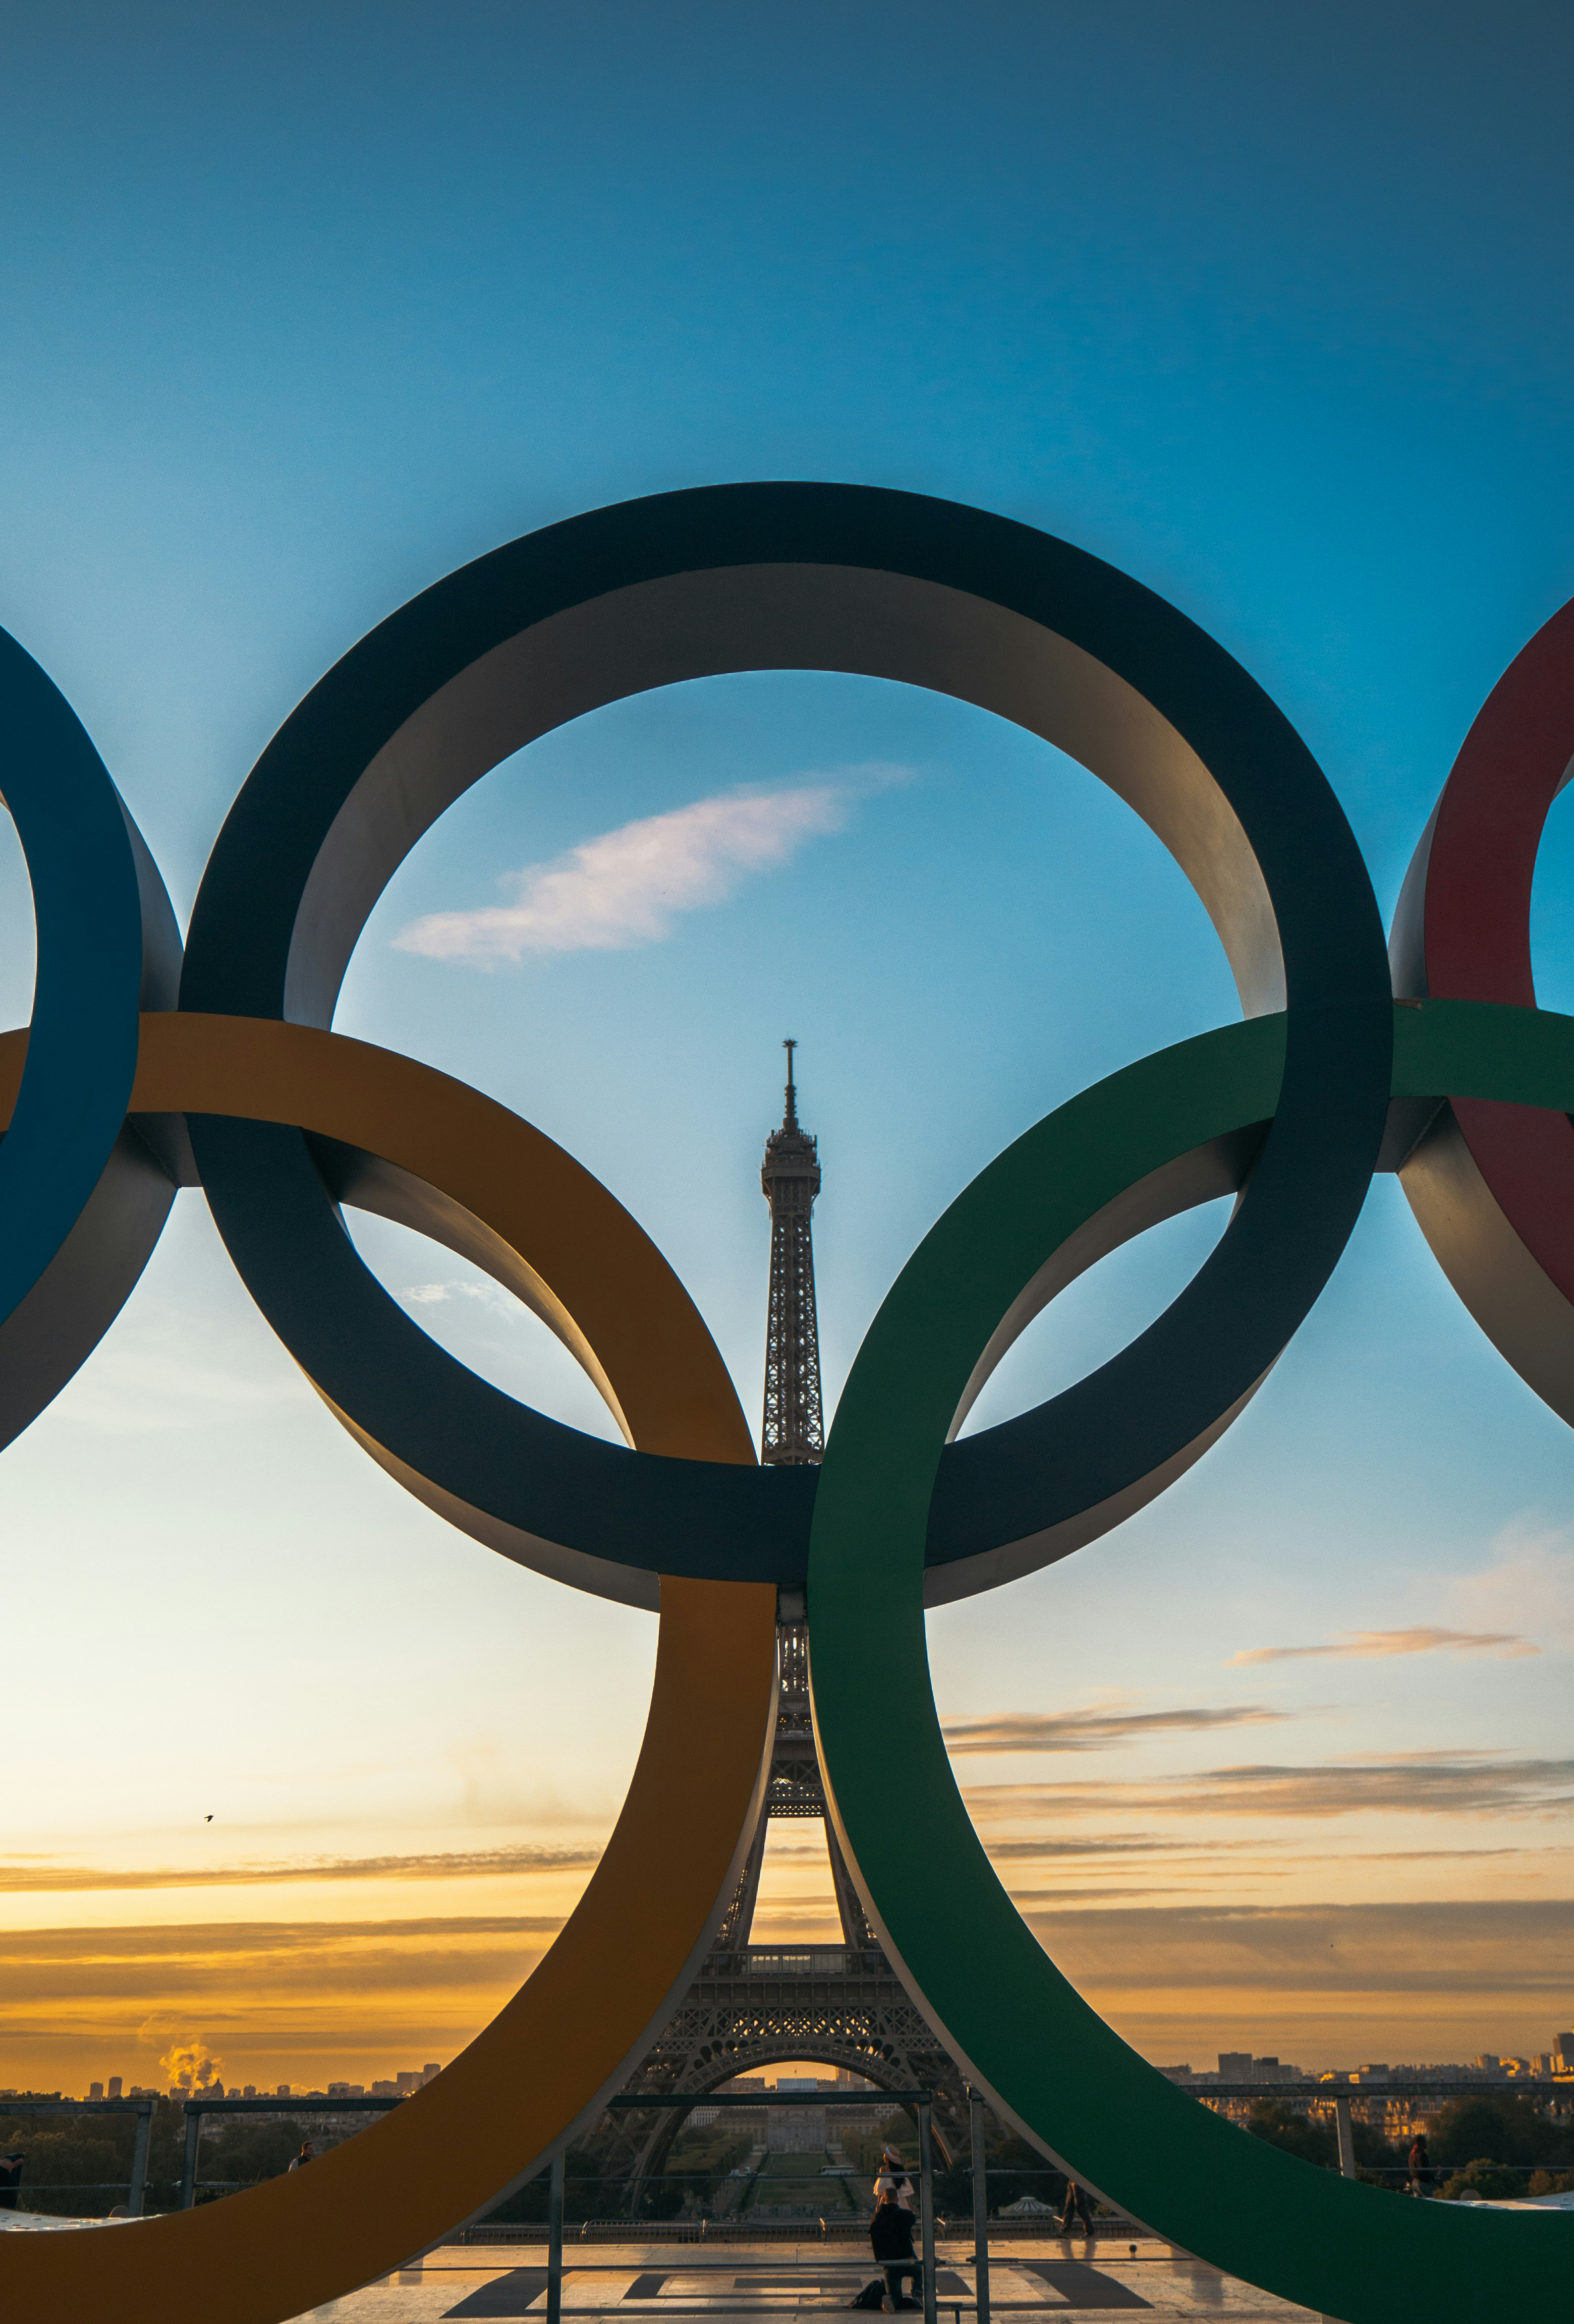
<point>33,1875</point>
<point>1137,1843</point>
<point>1433,1854</point>
<point>1420,1638</point>
<point>283,2000</point>
<point>628,887</point>
<point>1494,1953</point>
<point>1093,1730</point>
<point>1419,1782</point>
<point>1528,1582</point>
<point>488,1296</point>
<point>237,1972</point>
<point>204,1941</point>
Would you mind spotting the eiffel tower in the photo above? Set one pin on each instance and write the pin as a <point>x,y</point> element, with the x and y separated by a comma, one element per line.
<point>840,2005</point>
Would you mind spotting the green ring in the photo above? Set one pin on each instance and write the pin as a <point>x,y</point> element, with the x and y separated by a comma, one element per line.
<point>1023,2033</point>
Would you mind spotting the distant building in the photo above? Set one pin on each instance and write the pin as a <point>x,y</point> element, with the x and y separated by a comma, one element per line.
<point>250,2090</point>
<point>795,2130</point>
<point>115,2086</point>
<point>94,2090</point>
<point>1563,2054</point>
<point>1240,2066</point>
<point>429,2073</point>
<point>406,2082</point>
<point>282,2092</point>
<point>1488,2064</point>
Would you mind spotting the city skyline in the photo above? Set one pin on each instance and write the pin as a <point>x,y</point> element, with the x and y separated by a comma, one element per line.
<point>1553,2064</point>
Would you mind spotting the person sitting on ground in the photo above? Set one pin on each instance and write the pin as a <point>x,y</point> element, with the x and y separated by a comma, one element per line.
<point>305,2155</point>
<point>890,2236</point>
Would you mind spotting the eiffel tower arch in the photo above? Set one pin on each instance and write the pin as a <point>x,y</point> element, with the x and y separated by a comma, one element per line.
<point>842,2005</point>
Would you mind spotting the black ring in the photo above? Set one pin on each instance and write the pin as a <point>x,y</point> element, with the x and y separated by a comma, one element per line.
<point>751,577</point>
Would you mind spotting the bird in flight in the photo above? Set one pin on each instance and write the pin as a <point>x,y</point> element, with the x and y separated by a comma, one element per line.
<point>207,1819</point>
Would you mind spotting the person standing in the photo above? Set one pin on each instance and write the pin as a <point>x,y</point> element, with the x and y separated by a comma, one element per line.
<point>10,2180</point>
<point>1421,2166</point>
<point>305,2155</point>
<point>892,2167</point>
<point>1076,2200</point>
<point>891,2236</point>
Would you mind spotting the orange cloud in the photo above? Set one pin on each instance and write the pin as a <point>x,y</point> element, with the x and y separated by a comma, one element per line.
<point>301,2002</point>
<point>1420,1638</point>
<point>1094,1731</point>
<point>31,1875</point>
<point>1423,1783</point>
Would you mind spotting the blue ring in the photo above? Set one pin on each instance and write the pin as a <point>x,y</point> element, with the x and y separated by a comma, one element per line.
<point>107,943</point>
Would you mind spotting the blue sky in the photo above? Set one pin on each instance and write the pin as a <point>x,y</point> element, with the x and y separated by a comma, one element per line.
<point>300,308</point>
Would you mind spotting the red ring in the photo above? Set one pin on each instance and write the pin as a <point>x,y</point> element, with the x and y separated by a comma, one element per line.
<point>1461,932</point>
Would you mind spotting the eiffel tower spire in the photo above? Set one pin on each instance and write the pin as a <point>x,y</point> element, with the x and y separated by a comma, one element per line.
<point>794,1424</point>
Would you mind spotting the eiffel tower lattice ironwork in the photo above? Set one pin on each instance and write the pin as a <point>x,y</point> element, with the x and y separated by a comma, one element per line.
<point>840,2006</point>
<point>794,1424</point>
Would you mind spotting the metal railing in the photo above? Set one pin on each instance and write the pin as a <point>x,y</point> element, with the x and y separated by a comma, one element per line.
<point>1303,2094</point>
<point>921,2100</point>
<point>810,1960</point>
<point>282,2110</point>
<point>137,2186</point>
<point>714,2232</point>
<point>1342,2096</point>
<point>1393,2086</point>
<point>799,1961</point>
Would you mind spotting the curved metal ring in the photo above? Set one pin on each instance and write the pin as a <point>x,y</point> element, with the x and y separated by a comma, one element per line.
<point>798,576</point>
<point>1492,1185</point>
<point>82,1202</point>
<point>1022,2032</point>
<point>586,2014</point>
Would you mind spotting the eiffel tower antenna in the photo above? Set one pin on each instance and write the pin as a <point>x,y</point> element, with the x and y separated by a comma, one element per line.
<point>794,1432</point>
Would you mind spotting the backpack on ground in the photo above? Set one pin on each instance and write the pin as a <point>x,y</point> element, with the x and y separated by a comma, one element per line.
<point>873,2295</point>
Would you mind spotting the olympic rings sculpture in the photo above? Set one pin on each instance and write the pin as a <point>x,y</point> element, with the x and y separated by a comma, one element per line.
<point>142,1072</point>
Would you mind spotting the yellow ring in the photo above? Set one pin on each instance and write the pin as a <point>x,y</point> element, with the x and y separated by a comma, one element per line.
<point>581,2020</point>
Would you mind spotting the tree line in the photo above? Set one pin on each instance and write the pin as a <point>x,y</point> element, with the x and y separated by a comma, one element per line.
<point>79,2166</point>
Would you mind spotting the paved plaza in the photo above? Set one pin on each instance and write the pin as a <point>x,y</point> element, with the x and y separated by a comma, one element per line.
<point>666,2282</point>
